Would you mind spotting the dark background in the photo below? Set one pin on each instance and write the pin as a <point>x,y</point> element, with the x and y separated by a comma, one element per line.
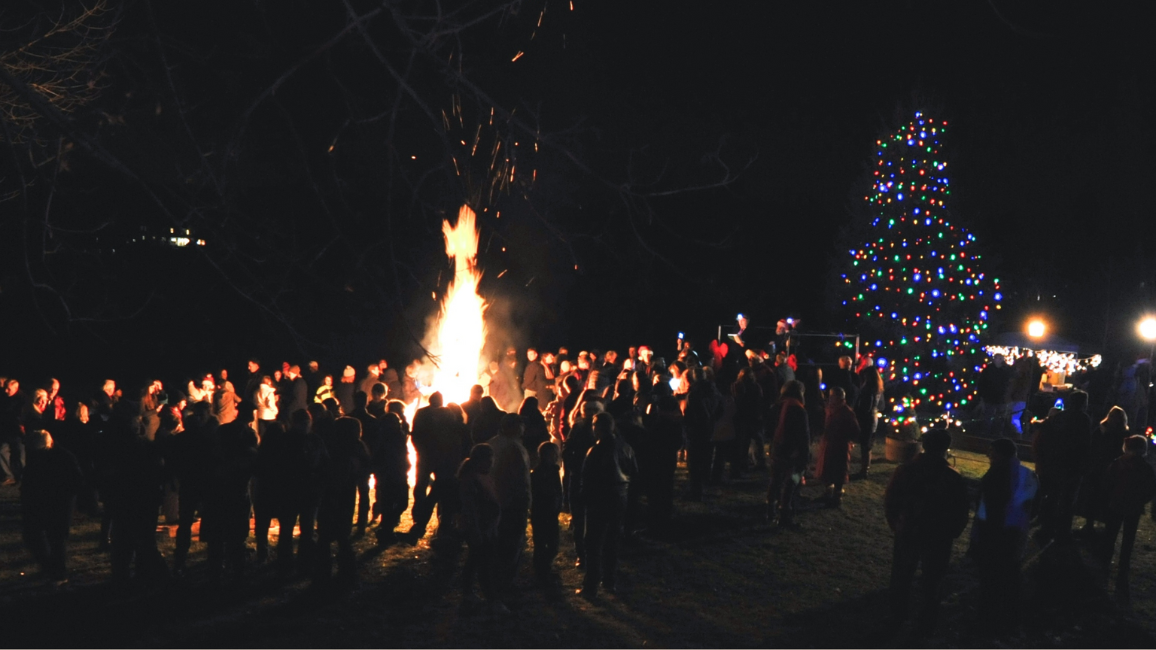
<point>693,160</point>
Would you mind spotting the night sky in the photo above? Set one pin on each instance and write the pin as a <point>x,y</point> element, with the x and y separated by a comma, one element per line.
<point>321,201</point>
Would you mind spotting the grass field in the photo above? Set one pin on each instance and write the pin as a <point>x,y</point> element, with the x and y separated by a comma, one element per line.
<point>720,578</point>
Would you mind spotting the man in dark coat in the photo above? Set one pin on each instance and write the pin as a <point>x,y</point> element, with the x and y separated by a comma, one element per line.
<point>1062,445</point>
<point>48,492</point>
<point>296,396</point>
<point>370,434</point>
<point>390,458</point>
<point>703,409</point>
<point>473,407</point>
<point>605,480</point>
<point>926,505</point>
<point>994,380</point>
<point>290,471</point>
<point>348,464</point>
<point>225,524</point>
<point>790,451</point>
<point>191,459</point>
<point>578,442</point>
<point>441,444</point>
<point>534,376</point>
<point>844,377</point>
<point>131,489</point>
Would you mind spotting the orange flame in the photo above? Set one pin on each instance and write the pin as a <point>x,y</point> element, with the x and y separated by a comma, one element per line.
<point>459,335</point>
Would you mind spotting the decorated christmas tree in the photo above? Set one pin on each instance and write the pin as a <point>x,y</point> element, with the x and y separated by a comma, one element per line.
<point>913,281</point>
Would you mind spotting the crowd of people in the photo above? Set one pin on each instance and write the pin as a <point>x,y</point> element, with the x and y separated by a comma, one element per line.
<point>596,435</point>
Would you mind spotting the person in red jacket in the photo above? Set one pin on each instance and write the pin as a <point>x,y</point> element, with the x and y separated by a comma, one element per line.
<point>839,434</point>
<point>790,451</point>
<point>1129,485</point>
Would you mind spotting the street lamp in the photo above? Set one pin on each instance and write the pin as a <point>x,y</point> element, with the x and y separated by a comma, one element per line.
<point>1037,328</point>
<point>1147,329</point>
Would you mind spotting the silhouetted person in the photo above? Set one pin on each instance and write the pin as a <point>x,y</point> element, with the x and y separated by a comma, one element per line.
<point>290,476</point>
<point>992,388</point>
<point>535,431</point>
<point>370,435</point>
<point>790,451</point>
<point>347,466</point>
<point>867,408</point>
<point>225,524</point>
<point>1106,445</point>
<point>511,474</point>
<point>481,516</point>
<point>1061,448</point>
<point>1007,491</point>
<point>840,431</point>
<point>191,458</point>
<point>488,422</point>
<point>927,507</point>
<point>574,450</point>
<point>132,492</point>
<point>345,388</point>
<point>664,435</point>
<point>390,458</point>
<point>606,474</point>
<point>1129,486</point>
<point>48,492</point>
<point>472,408</point>
<point>844,377</point>
<point>703,409</point>
<point>546,505</point>
<point>440,441</point>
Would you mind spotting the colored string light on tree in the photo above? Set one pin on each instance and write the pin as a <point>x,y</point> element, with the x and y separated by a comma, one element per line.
<point>915,285</point>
